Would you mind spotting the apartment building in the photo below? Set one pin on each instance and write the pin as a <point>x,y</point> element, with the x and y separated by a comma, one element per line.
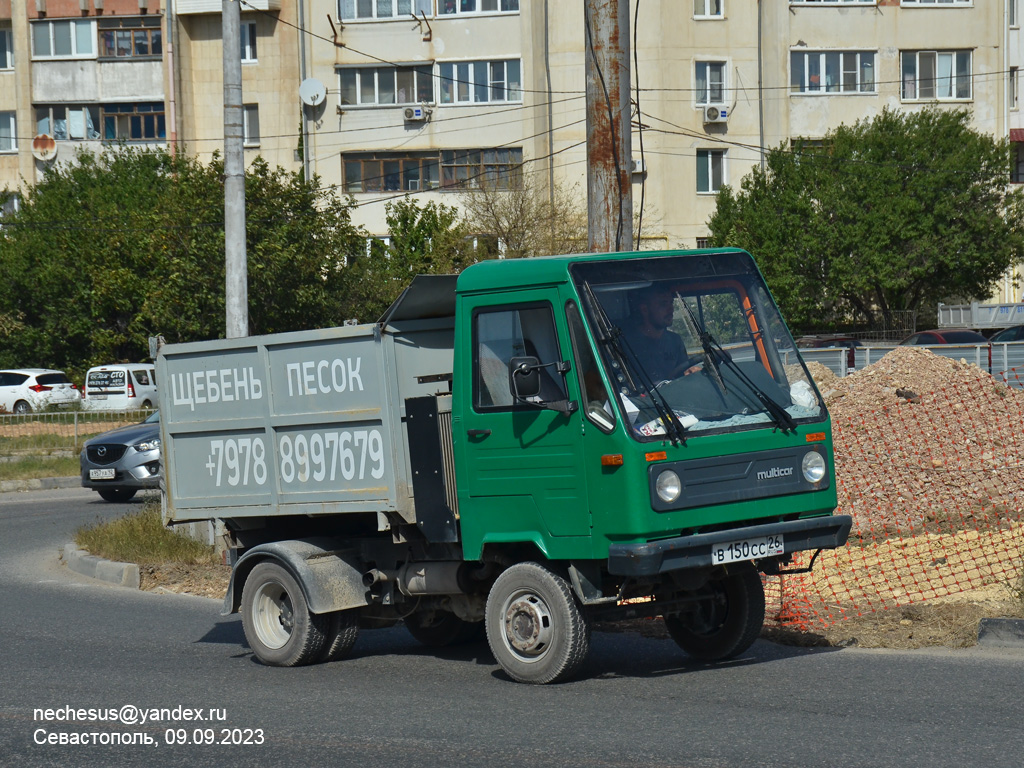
<point>77,73</point>
<point>427,97</point>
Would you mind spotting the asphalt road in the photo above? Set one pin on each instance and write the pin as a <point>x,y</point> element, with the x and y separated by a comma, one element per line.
<point>69,642</point>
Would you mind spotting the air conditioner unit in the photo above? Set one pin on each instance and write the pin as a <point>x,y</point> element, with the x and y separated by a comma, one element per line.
<point>716,115</point>
<point>416,113</point>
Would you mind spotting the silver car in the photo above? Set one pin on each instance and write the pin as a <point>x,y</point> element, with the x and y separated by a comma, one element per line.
<point>117,464</point>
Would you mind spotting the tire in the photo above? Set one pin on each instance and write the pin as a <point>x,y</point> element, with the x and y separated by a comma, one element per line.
<point>147,405</point>
<point>342,633</point>
<point>728,619</point>
<point>535,627</point>
<point>117,494</point>
<point>21,408</point>
<point>436,629</point>
<point>278,625</point>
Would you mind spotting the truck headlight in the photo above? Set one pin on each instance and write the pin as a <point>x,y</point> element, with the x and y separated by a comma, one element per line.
<point>813,467</point>
<point>668,486</point>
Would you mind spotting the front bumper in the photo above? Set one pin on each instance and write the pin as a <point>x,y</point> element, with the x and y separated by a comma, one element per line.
<point>133,470</point>
<point>664,555</point>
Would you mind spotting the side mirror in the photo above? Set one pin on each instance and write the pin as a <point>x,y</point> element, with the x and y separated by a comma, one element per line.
<point>524,383</point>
<point>524,377</point>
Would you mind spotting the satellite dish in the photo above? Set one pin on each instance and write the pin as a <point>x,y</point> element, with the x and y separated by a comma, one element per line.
<point>312,92</point>
<point>44,148</point>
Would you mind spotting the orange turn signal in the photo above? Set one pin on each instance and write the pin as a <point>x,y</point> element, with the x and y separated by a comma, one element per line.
<point>611,460</point>
<point>656,456</point>
<point>815,437</point>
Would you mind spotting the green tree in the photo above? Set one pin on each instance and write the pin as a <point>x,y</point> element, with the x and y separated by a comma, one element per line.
<point>115,247</point>
<point>894,213</point>
<point>428,239</point>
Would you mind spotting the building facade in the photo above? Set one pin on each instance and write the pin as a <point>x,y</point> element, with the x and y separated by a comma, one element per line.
<point>428,97</point>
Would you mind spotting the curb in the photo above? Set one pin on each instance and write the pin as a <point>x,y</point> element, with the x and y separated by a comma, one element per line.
<point>40,484</point>
<point>80,561</point>
<point>1001,633</point>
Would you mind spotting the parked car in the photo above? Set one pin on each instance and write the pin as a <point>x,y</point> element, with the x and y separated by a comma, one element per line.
<point>23,390</point>
<point>821,341</point>
<point>1013,333</point>
<point>117,464</point>
<point>945,336</point>
<point>120,387</point>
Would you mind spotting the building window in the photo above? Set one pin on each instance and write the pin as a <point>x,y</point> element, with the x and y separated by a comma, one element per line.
<point>68,123</point>
<point>473,168</point>
<point>134,122</point>
<point>1014,103</point>
<point>391,171</point>
<point>710,82</point>
<point>707,8</point>
<point>251,125</point>
<point>8,134</point>
<point>938,2</point>
<point>386,85</point>
<point>6,50</point>
<point>1012,12</point>
<point>1017,174</point>
<point>128,37</point>
<point>383,9</point>
<point>480,82</point>
<point>453,7</point>
<point>832,2</point>
<point>703,242</point>
<point>936,75</point>
<point>67,39</point>
<point>416,171</point>
<point>823,72</point>
<point>710,170</point>
<point>248,33</point>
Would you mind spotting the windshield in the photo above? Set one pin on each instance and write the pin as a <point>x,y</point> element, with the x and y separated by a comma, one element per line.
<point>697,339</point>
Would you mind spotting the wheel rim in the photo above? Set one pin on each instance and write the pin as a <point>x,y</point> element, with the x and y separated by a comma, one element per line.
<point>273,617</point>
<point>528,626</point>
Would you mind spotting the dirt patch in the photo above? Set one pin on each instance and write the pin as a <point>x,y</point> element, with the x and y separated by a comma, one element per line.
<point>203,580</point>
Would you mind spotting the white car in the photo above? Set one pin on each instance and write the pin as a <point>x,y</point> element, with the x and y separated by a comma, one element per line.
<point>23,390</point>
<point>120,387</point>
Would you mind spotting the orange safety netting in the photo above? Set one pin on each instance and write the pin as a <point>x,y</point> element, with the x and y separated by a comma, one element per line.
<point>934,481</point>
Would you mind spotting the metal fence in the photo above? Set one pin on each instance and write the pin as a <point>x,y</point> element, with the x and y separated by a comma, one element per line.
<point>1001,360</point>
<point>62,432</point>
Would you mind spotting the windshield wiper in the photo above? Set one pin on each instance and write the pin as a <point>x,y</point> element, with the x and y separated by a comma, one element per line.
<point>714,353</point>
<point>611,337</point>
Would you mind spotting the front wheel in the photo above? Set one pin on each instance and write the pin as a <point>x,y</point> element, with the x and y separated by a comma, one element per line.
<point>726,620</point>
<point>275,616</point>
<point>116,494</point>
<point>535,627</point>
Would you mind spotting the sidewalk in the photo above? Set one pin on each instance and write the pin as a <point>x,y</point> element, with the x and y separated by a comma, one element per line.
<point>40,484</point>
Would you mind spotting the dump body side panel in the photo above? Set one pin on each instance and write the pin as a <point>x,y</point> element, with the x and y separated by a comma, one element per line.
<point>295,423</point>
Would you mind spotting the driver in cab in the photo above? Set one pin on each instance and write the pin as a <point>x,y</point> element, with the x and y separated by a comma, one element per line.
<point>661,351</point>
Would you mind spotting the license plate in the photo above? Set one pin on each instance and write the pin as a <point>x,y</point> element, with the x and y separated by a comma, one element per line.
<point>101,474</point>
<point>747,549</point>
<point>98,397</point>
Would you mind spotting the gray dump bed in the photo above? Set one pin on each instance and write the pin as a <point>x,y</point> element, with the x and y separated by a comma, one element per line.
<point>297,423</point>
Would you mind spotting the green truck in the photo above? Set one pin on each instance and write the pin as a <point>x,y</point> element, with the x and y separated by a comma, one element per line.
<point>517,451</point>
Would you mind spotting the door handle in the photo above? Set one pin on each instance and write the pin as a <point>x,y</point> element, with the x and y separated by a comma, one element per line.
<point>478,432</point>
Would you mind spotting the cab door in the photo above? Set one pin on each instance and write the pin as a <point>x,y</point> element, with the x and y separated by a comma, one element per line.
<point>522,465</point>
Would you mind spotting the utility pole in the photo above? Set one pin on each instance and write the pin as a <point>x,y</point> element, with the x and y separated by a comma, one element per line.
<point>609,140</point>
<point>236,288</point>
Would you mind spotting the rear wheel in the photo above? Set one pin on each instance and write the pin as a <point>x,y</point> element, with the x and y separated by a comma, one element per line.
<point>342,633</point>
<point>436,629</point>
<point>727,619</point>
<point>535,627</point>
<point>278,625</point>
<point>117,494</point>
<point>21,407</point>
